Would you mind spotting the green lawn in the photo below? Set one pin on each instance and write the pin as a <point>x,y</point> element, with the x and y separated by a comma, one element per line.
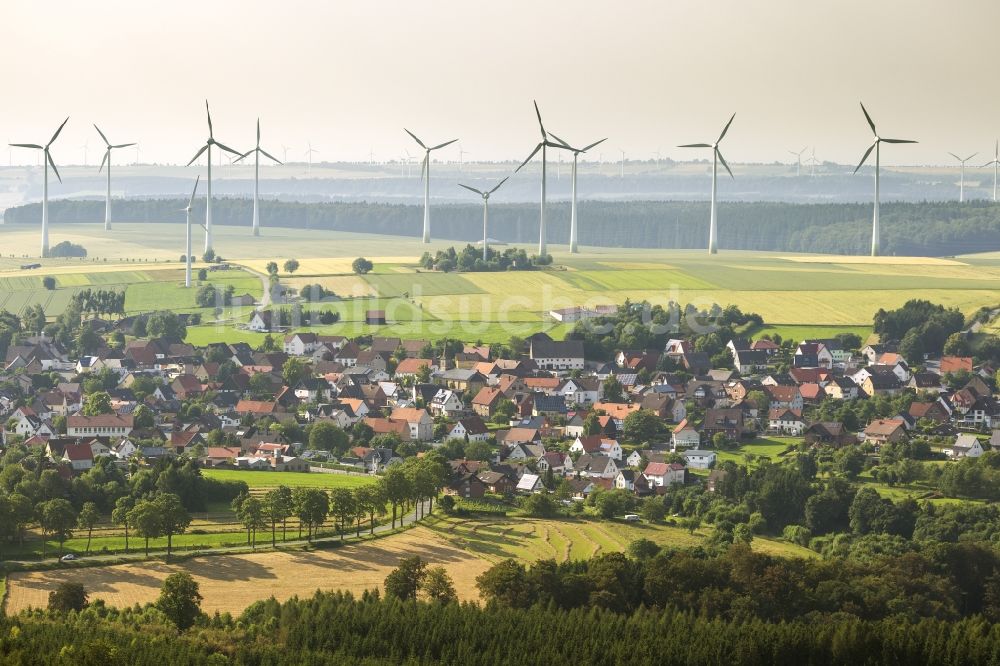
<point>762,447</point>
<point>797,295</point>
<point>265,479</point>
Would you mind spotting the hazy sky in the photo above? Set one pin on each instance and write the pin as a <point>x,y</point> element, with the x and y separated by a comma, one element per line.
<point>350,74</point>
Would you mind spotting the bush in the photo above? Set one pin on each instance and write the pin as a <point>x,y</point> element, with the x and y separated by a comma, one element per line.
<point>49,282</point>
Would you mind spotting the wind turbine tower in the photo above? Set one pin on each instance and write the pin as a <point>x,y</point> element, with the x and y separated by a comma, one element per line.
<point>713,231</point>
<point>187,235</point>
<point>48,161</point>
<point>257,152</point>
<point>107,158</point>
<point>543,146</point>
<point>994,163</point>
<point>798,161</point>
<point>485,194</point>
<point>572,211</point>
<point>876,145</point>
<point>961,182</point>
<point>209,142</point>
<point>425,175</point>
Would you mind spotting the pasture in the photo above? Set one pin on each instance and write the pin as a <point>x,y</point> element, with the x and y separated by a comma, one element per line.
<point>266,479</point>
<point>465,547</point>
<point>797,295</point>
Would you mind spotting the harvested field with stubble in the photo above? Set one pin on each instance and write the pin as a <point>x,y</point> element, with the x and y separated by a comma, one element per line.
<point>233,582</point>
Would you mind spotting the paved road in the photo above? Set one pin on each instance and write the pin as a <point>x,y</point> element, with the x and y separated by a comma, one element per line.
<point>263,544</point>
<point>265,282</point>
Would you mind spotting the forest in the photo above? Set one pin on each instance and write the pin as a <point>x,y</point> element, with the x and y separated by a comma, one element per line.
<point>938,228</point>
<point>668,607</point>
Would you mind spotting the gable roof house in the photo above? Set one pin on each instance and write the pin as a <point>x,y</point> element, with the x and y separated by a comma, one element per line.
<point>966,446</point>
<point>786,421</point>
<point>486,400</point>
<point>882,431</point>
<point>552,355</point>
<point>599,465</point>
<point>729,422</point>
<point>664,474</point>
<point>419,421</point>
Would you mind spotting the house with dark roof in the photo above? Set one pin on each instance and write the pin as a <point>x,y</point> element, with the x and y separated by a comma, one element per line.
<point>552,355</point>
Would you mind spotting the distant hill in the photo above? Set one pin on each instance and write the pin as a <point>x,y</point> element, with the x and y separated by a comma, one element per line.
<point>919,229</point>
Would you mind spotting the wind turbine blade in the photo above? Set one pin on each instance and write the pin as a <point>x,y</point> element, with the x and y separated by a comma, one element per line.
<point>209,114</point>
<point>867,153</point>
<point>583,150</point>
<point>726,128</point>
<point>472,189</point>
<point>970,157</point>
<point>198,154</point>
<point>258,131</point>
<point>415,138</point>
<point>497,186</point>
<point>56,135</point>
<point>565,145</point>
<point>124,145</point>
<point>107,153</point>
<point>540,125</point>
<point>533,153</point>
<point>446,143</point>
<point>723,160</point>
<point>26,145</point>
<point>898,141</point>
<point>423,165</point>
<point>227,149</point>
<point>243,155</point>
<point>106,142</point>
<point>695,145</point>
<point>955,156</point>
<point>269,155</point>
<point>52,163</point>
<point>868,118</point>
<point>194,191</point>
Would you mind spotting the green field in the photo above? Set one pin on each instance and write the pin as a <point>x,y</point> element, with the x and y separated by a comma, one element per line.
<point>265,479</point>
<point>797,295</point>
<point>762,447</point>
<point>574,539</point>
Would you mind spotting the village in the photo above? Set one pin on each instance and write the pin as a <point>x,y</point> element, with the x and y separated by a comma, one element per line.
<point>510,423</point>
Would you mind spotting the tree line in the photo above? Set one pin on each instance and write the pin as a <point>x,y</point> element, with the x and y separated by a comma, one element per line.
<point>938,228</point>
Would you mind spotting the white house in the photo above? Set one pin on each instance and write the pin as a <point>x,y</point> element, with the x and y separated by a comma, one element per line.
<point>301,344</point>
<point>594,444</point>
<point>684,436</point>
<point>596,465</point>
<point>529,483</point>
<point>260,321</point>
<point>786,421</point>
<point>471,428</point>
<point>419,421</point>
<point>699,459</point>
<point>552,355</point>
<point>664,474</point>
<point>446,402</point>
<point>583,391</point>
<point>634,459</point>
<point>105,425</point>
<point>966,446</point>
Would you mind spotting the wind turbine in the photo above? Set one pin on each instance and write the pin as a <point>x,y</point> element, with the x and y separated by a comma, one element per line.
<point>961,183</point>
<point>107,158</point>
<point>543,146</point>
<point>798,160</point>
<point>485,194</point>
<point>994,163</point>
<point>209,142</point>
<point>572,211</point>
<point>257,152</point>
<point>285,155</point>
<point>713,231</point>
<point>622,173</point>
<point>309,155</point>
<point>813,162</point>
<point>425,175</point>
<point>876,146</point>
<point>187,235</point>
<point>45,181</point>
<point>461,157</point>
